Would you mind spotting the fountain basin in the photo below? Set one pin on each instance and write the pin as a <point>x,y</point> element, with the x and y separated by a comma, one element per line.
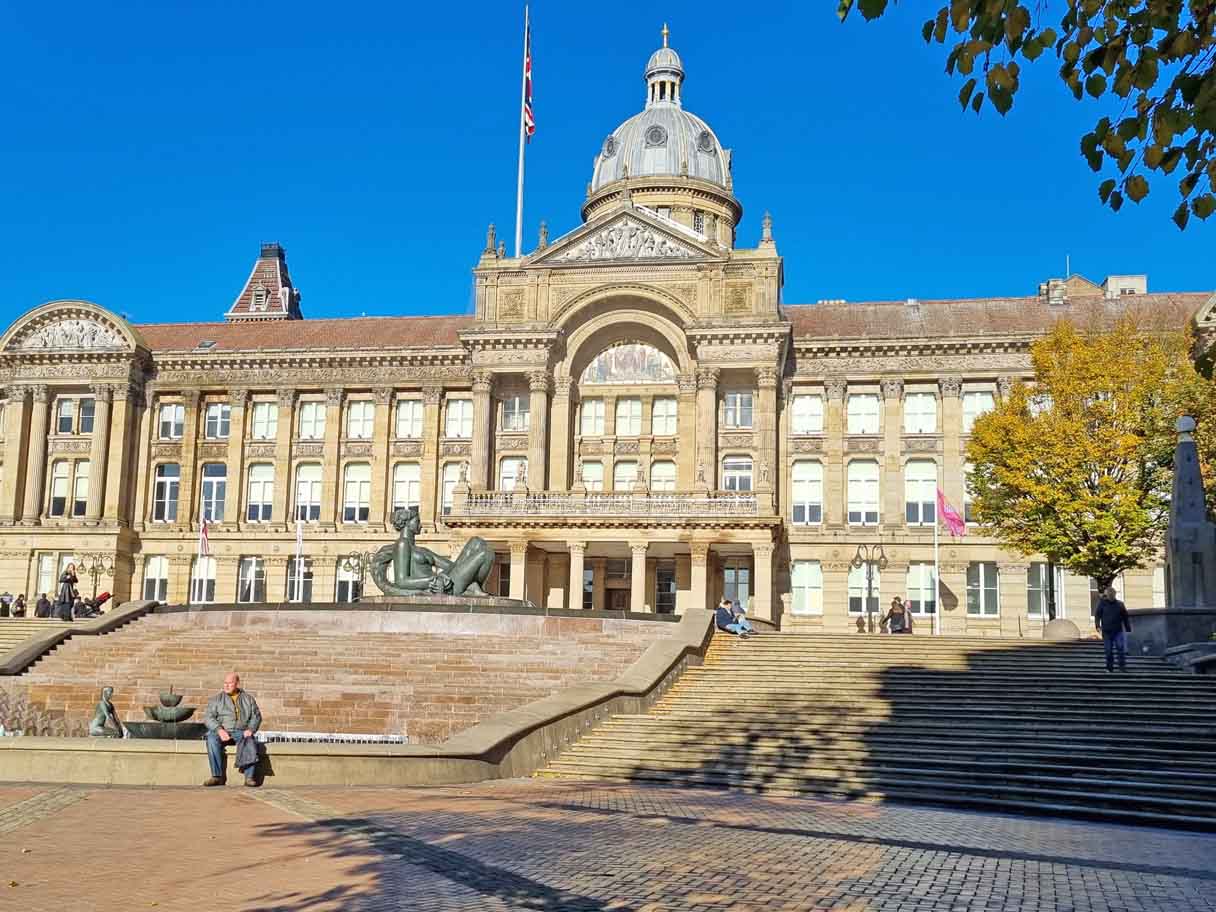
<point>167,731</point>
<point>169,713</point>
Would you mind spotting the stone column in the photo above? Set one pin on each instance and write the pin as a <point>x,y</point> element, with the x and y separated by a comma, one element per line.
<point>519,568</point>
<point>99,452</point>
<point>834,494</point>
<point>765,421</point>
<point>637,578</point>
<point>16,413</point>
<point>891,483</point>
<point>700,572</point>
<point>127,402</point>
<point>35,466</point>
<point>234,491</point>
<point>331,464</point>
<point>559,437</point>
<point>145,436</point>
<point>762,565</point>
<point>381,465</point>
<point>284,482</point>
<point>706,478</point>
<point>483,431</point>
<point>686,425</point>
<point>952,448</point>
<point>574,596</point>
<point>188,492</point>
<point>538,429</point>
<point>432,399</point>
<point>180,571</point>
<point>599,566</point>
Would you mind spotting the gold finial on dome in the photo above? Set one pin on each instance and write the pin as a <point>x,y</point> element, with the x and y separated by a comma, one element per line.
<point>666,32</point>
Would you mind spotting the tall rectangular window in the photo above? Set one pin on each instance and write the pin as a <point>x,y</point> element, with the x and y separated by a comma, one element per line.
<point>738,412</point>
<point>592,418</point>
<point>737,582</point>
<point>65,416</point>
<point>260,504</point>
<point>409,418</point>
<point>863,492</point>
<point>1037,590</point>
<point>982,589</point>
<point>360,419</point>
<point>515,413</point>
<point>807,490</point>
<point>308,492</point>
<point>863,593</point>
<point>312,420</point>
<point>451,477</point>
<point>459,419</point>
<point>47,575</point>
<point>202,581</point>
<point>407,485</point>
<point>806,581</point>
<point>164,492</point>
<point>504,578</point>
<point>593,475</point>
<point>172,421</point>
<point>80,488</point>
<point>968,494</point>
<point>920,492</point>
<point>511,471</point>
<point>251,581</point>
<point>349,588</point>
<point>737,473</point>
<point>663,417</point>
<point>60,483</point>
<point>218,423</point>
<point>663,475</point>
<point>215,489</point>
<point>299,580</point>
<point>87,411</point>
<point>920,413</point>
<point>265,421</point>
<point>624,475</point>
<point>807,415</point>
<point>357,493</point>
<point>975,404</point>
<point>588,588</point>
<point>665,587</point>
<point>628,417</point>
<point>156,578</point>
<point>863,413</point>
<point>920,590</point>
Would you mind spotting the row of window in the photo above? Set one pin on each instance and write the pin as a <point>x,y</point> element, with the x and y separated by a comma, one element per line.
<point>862,492</point>
<point>251,581</point>
<point>360,420</point>
<point>74,416</point>
<point>863,412</point>
<point>663,422</point>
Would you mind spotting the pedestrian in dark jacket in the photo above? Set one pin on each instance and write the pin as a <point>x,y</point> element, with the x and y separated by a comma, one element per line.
<point>1111,620</point>
<point>19,606</point>
<point>42,608</point>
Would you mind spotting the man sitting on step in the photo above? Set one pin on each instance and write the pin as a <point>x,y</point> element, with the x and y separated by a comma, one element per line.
<point>727,620</point>
<point>232,717</point>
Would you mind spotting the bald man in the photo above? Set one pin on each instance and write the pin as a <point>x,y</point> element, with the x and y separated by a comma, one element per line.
<point>231,717</point>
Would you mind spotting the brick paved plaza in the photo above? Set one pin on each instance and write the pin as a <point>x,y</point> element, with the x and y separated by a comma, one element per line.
<point>568,846</point>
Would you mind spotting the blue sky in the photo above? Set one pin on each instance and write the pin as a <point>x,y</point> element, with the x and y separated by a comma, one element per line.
<point>149,148</point>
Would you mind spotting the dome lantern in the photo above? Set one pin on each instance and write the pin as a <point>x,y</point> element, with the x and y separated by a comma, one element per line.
<point>664,75</point>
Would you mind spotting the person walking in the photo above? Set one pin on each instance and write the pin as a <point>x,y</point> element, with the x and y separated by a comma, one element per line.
<point>897,619</point>
<point>19,606</point>
<point>1111,620</point>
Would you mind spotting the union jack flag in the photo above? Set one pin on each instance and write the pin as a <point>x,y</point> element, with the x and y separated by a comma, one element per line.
<point>529,118</point>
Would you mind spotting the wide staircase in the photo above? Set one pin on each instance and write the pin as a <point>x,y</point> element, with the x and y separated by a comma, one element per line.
<point>991,724</point>
<point>15,631</point>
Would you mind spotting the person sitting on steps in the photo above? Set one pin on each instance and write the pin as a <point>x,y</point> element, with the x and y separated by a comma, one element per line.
<point>727,620</point>
<point>232,717</point>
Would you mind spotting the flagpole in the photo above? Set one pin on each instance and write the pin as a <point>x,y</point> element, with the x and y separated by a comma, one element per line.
<point>937,581</point>
<point>299,559</point>
<point>523,100</point>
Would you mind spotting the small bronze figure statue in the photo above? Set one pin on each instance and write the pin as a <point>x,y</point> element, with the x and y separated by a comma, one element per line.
<point>105,713</point>
<point>417,570</point>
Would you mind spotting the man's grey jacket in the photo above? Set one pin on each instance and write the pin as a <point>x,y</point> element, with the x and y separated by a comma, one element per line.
<point>220,714</point>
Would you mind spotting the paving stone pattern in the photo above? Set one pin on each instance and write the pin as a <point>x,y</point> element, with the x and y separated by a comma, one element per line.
<point>534,845</point>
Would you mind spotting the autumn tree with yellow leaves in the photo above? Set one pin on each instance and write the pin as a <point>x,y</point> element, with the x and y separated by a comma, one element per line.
<point>1078,466</point>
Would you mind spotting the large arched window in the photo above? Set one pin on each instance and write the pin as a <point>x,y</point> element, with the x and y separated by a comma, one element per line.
<point>630,363</point>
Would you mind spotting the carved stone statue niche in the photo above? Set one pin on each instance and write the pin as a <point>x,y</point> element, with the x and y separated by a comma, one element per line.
<point>417,570</point>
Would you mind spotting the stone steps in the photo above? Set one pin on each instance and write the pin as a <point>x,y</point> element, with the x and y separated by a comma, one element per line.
<point>15,631</point>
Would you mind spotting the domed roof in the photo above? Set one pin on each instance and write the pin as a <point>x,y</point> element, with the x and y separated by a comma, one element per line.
<point>664,139</point>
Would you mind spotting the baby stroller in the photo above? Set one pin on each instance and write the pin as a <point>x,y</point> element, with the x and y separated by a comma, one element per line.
<point>92,607</point>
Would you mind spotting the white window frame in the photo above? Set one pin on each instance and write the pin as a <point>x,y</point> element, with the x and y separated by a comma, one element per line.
<point>265,423</point>
<point>259,501</point>
<point>451,478</point>
<point>311,423</point>
<point>407,485</point>
<point>357,493</point>
<point>202,581</point>
<point>251,580</point>
<point>662,475</point>
<point>857,590</point>
<point>347,586</point>
<point>86,415</point>
<point>864,413</point>
<point>1036,595</point>
<point>863,490</point>
<point>166,492</point>
<point>628,416</point>
<point>806,587</point>
<point>664,416</point>
<point>806,493</point>
<point>409,419</point>
<point>591,418</point>
<point>308,492</point>
<point>360,419</point>
<point>975,404</point>
<point>306,580</point>
<point>593,475</point>
<point>985,591</point>
<point>738,474</point>
<point>80,487</point>
<point>624,475</point>
<point>217,421</point>
<point>171,421</point>
<point>920,492</point>
<point>920,413</point>
<point>156,573</point>
<point>515,412</point>
<point>738,409</point>
<point>213,491</point>
<point>920,590</point>
<point>458,419</point>
<point>806,414</point>
<point>65,416</point>
<point>59,502</point>
<point>737,581</point>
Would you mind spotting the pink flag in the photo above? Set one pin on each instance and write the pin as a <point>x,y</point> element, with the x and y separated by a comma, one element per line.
<point>955,524</point>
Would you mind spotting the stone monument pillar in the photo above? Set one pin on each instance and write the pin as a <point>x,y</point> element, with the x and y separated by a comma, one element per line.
<point>1190,556</point>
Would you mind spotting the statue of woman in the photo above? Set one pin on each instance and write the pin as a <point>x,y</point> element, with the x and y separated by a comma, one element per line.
<point>417,569</point>
<point>105,713</point>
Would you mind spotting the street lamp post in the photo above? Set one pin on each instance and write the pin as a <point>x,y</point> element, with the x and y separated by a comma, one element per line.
<point>868,556</point>
<point>97,564</point>
<point>357,563</point>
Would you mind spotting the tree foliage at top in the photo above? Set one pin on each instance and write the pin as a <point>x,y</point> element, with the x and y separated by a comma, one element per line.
<point>1079,466</point>
<point>1152,59</point>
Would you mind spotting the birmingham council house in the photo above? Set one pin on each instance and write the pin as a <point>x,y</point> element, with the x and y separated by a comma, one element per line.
<point>632,417</point>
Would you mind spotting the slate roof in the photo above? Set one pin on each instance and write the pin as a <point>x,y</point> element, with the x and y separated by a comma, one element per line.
<point>346,333</point>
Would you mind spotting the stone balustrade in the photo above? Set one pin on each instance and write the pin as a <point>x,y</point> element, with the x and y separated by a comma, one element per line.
<point>656,504</point>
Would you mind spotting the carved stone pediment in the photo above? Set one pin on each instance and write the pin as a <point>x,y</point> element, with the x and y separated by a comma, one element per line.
<point>70,333</point>
<point>624,238</point>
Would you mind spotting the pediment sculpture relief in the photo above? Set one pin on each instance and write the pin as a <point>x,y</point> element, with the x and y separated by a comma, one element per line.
<point>73,333</point>
<point>626,239</point>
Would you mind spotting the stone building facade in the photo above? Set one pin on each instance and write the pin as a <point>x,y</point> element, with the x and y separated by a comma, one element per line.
<point>632,416</point>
